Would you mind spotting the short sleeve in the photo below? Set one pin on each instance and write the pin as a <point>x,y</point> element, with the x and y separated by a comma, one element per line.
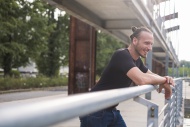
<point>122,61</point>
<point>142,67</point>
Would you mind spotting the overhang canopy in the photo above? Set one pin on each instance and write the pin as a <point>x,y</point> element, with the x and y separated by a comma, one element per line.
<point>116,17</point>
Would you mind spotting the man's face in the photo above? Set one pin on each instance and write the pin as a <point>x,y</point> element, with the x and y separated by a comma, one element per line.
<point>143,44</point>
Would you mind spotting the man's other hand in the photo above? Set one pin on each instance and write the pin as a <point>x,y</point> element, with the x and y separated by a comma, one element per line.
<point>167,89</point>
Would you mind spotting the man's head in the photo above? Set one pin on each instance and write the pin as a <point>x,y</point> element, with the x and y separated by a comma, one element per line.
<point>142,40</point>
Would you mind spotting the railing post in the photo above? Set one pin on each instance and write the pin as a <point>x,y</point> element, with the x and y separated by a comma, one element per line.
<point>149,66</point>
<point>152,113</point>
<point>167,112</point>
<point>176,92</point>
<point>166,63</point>
<point>173,109</point>
<point>179,100</point>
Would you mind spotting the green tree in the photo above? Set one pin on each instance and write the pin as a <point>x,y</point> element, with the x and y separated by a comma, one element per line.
<point>56,54</point>
<point>22,32</point>
<point>183,70</point>
<point>106,45</point>
<point>185,63</point>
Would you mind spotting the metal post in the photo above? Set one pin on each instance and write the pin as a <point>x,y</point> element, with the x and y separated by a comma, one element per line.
<point>183,70</point>
<point>82,58</point>
<point>152,113</point>
<point>179,100</point>
<point>149,66</point>
<point>167,112</point>
<point>173,69</point>
<point>167,63</point>
<point>177,71</point>
<point>177,103</point>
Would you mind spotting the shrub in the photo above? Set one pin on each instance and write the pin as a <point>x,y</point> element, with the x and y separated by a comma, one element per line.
<point>15,74</point>
<point>25,83</point>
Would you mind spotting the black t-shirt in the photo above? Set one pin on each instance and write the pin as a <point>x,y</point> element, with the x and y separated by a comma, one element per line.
<point>115,74</point>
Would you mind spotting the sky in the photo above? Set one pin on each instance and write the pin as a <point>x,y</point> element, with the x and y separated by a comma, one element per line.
<point>184,33</point>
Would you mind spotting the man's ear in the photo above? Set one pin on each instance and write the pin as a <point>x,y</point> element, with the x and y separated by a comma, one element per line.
<point>135,41</point>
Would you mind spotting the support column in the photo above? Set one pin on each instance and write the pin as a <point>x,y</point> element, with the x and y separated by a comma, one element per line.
<point>173,70</point>
<point>177,71</point>
<point>149,66</point>
<point>166,63</point>
<point>82,55</point>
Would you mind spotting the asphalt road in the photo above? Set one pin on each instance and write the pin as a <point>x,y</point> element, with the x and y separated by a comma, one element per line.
<point>29,94</point>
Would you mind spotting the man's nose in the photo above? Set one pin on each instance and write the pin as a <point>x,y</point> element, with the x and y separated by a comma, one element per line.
<point>149,47</point>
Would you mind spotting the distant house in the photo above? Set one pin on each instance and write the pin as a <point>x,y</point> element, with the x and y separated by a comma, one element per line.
<point>64,71</point>
<point>1,72</point>
<point>31,70</point>
<point>28,71</point>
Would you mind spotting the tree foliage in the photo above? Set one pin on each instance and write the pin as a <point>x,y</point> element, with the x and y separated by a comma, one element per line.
<point>23,32</point>
<point>29,31</point>
<point>106,45</point>
<point>56,53</point>
<point>183,70</point>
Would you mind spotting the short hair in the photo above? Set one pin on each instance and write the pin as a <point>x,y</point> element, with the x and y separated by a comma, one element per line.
<point>138,30</point>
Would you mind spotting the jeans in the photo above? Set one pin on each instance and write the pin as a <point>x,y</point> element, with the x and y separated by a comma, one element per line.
<point>103,118</point>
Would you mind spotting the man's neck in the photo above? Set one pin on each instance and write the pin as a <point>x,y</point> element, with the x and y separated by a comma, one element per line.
<point>132,52</point>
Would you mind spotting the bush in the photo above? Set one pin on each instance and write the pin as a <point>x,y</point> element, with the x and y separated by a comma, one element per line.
<point>25,83</point>
<point>15,74</point>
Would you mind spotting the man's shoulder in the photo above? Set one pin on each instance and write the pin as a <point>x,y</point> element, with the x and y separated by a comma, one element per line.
<point>121,53</point>
<point>121,50</point>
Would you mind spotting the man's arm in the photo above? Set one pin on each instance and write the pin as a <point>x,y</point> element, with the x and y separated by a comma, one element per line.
<point>166,86</point>
<point>168,78</point>
<point>140,78</point>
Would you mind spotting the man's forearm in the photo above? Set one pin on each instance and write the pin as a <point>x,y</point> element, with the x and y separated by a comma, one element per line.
<point>155,79</point>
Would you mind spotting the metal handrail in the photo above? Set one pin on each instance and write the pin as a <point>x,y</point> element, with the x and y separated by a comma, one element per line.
<point>46,113</point>
<point>165,106</point>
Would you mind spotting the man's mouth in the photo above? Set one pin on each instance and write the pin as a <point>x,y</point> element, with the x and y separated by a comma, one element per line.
<point>146,52</point>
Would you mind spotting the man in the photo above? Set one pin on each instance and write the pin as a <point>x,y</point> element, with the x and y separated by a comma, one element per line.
<point>124,68</point>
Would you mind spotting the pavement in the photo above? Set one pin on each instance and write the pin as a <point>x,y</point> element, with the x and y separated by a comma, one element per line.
<point>134,114</point>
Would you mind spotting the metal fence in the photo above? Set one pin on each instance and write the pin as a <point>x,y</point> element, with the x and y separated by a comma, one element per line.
<point>49,112</point>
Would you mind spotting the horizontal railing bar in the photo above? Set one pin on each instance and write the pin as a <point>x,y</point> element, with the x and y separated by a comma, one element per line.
<point>162,110</point>
<point>172,103</point>
<point>164,118</point>
<point>162,121</point>
<point>46,113</point>
<point>40,114</point>
<point>166,125</point>
<point>171,112</point>
<point>151,124</point>
<point>171,119</point>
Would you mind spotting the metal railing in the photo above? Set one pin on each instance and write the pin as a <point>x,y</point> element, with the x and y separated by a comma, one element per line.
<point>49,112</point>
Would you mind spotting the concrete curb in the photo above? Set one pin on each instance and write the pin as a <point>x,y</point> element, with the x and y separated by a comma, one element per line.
<point>57,88</point>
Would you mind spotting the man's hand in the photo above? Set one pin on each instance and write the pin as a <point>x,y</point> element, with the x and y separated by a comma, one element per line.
<point>166,86</point>
<point>169,80</point>
<point>167,89</point>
